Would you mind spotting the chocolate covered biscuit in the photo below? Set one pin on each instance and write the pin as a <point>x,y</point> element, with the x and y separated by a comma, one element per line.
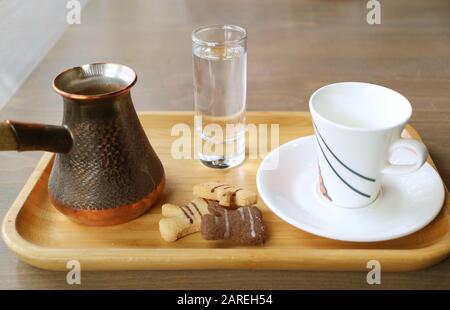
<point>244,225</point>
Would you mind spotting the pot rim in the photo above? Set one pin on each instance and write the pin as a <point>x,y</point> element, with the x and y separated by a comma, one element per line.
<point>85,68</point>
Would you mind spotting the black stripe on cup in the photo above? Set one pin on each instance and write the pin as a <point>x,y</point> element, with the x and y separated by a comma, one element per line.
<point>345,166</point>
<point>341,178</point>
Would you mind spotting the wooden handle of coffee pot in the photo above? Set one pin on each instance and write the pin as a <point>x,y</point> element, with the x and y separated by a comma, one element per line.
<point>18,136</point>
<point>8,141</point>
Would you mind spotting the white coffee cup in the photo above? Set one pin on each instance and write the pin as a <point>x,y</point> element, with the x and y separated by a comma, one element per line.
<point>357,127</point>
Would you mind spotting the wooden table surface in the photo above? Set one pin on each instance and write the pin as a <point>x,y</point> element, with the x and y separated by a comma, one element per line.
<point>294,48</point>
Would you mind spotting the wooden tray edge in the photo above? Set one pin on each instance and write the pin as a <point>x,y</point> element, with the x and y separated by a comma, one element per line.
<point>172,259</point>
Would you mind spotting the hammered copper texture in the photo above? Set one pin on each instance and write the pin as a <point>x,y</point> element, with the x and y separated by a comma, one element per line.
<point>111,164</point>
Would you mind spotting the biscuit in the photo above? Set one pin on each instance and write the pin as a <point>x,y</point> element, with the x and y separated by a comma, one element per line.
<point>178,222</point>
<point>244,225</point>
<point>228,196</point>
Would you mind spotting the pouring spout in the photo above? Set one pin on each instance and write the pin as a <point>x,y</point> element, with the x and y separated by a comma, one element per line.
<point>18,136</point>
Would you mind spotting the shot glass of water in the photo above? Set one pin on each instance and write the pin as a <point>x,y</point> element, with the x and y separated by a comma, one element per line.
<point>220,86</point>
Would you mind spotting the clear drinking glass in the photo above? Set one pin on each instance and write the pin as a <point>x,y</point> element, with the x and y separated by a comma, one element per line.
<point>220,87</point>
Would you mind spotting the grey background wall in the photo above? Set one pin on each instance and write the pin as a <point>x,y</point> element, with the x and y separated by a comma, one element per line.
<point>28,30</point>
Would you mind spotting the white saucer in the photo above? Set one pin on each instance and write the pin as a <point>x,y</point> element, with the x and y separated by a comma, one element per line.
<point>405,205</point>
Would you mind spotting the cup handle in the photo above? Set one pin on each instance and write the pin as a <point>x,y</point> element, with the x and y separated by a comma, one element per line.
<point>417,147</point>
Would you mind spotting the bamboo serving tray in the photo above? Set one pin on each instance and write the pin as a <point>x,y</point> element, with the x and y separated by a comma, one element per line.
<point>41,236</point>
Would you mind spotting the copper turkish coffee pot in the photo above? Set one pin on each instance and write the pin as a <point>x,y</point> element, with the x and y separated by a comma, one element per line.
<point>105,171</point>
